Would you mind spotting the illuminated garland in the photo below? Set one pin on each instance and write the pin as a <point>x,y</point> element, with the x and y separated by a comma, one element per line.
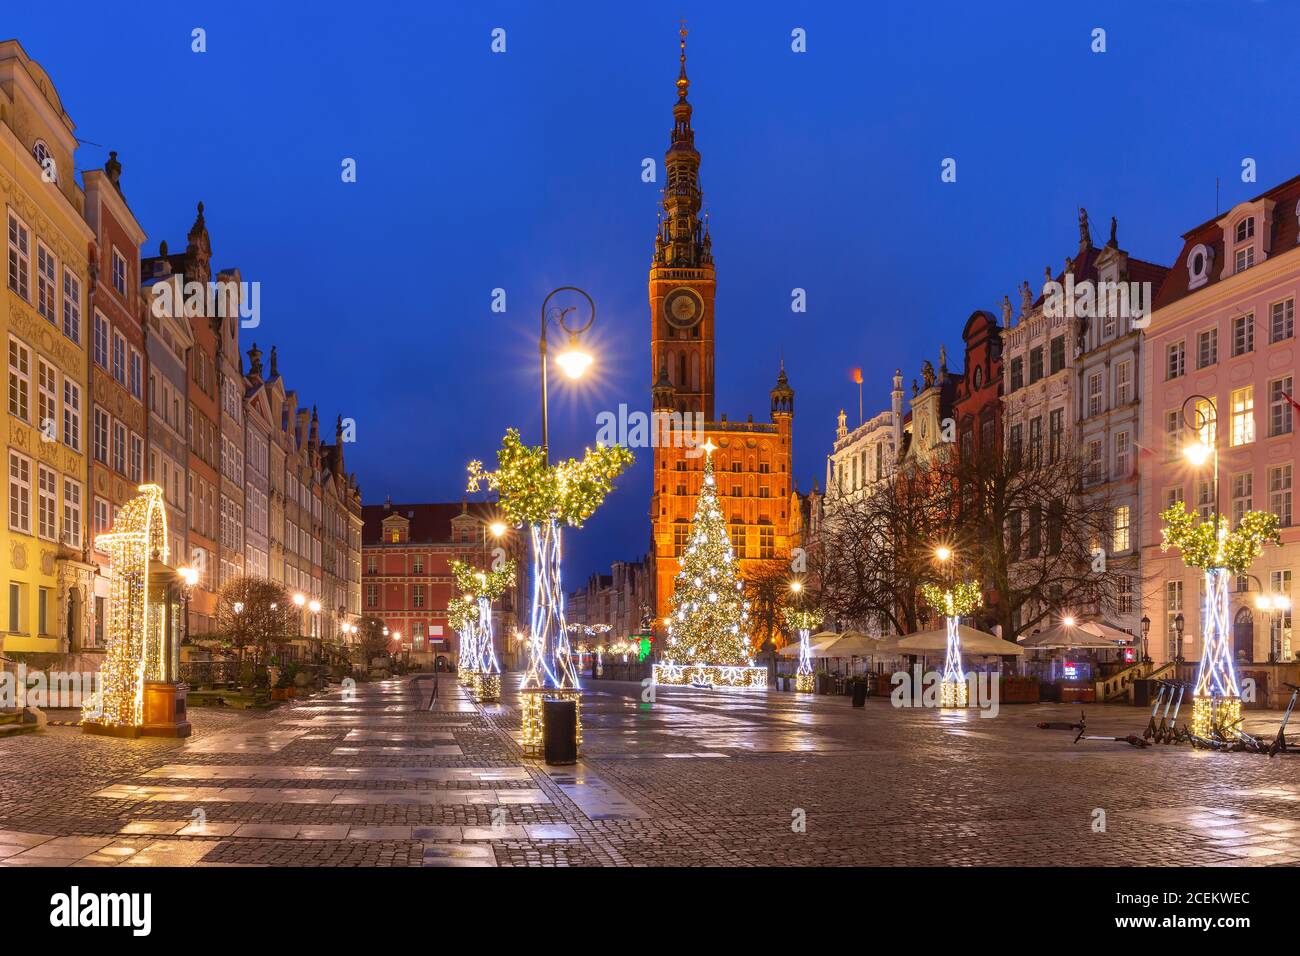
<point>480,588</point>
<point>802,622</point>
<point>1234,550</point>
<point>961,600</point>
<point>953,603</point>
<point>134,630</point>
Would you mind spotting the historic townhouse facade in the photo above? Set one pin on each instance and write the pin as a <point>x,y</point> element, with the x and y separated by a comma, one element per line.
<point>753,461</point>
<point>340,551</point>
<point>44,322</point>
<point>118,420</point>
<point>1108,413</point>
<point>257,469</point>
<point>1221,351</point>
<point>620,599</point>
<point>407,581</point>
<point>167,341</point>
<point>977,404</point>
<point>230,393</point>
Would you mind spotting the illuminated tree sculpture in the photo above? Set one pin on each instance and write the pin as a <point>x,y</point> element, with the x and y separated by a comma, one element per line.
<point>708,630</point>
<point>546,497</point>
<point>481,588</point>
<point>1220,554</point>
<point>802,622</point>
<point>462,613</point>
<point>953,604</point>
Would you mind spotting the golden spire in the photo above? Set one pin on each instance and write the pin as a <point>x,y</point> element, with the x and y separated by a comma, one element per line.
<point>682,81</point>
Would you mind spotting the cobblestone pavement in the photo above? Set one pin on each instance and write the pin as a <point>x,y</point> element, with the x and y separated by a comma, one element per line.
<point>697,777</point>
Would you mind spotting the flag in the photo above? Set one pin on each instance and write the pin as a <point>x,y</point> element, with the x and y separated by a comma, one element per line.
<point>1292,401</point>
<point>857,376</point>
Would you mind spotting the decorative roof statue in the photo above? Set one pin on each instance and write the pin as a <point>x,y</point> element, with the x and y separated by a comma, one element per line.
<point>1026,298</point>
<point>1113,242</point>
<point>1006,311</point>
<point>927,373</point>
<point>1085,235</point>
<point>943,360</point>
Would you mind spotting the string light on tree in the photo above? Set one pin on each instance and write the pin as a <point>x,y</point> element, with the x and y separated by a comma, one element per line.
<point>953,603</point>
<point>802,622</point>
<point>708,629</point>
<point>478,589</point>
<point>1220,554</point>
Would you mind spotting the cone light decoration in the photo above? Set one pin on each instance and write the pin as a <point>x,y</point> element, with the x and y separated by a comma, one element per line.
<point>462,615</point>
<point>708,627</point>
<point>802,622</point>
<point>1221,554</point>
<point>953,604</point>
<point>479,589</point>
<point>547,497</point>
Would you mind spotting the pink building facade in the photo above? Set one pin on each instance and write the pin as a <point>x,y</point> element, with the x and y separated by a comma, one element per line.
<point>1222,340</point>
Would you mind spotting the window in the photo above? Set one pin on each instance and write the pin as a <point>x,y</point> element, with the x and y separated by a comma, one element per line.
<point>47,502</point>
<point>15,607</point>
<point>119,358</point>
<point>1199,261</point>
<point>1280,624</point>
<point>1243,334</point>
<point>20,493</point>
<point>1015,442</point>
<point>20,382</point>
<point>1207,348</point>
<point>1281,323</point>
<point>1204,499</point>
<point>71,306</point>
<point>1206,416</point>
<point>417,564</point>
<point>1243,415</point>
<point>101,435</point>
<point>19,257</point>
<point>1017,373</point>
<point>72,513</point>
<point>102,521</point>
<point>1243,495</point>
<point>1124,594</point>
<point>1123,455</point>
<point>417,596</point>
<point>101,341</point>
<point>137,458</point>
<point>738,540</point>
<point>1279,493</point>
<point>47,400</point>
<point>1058,354</point>
<point>372,595</point>
<point>119,273</point>
<point>1094,394</point>
<point>1096,462</point>
<point>1173,433</point>
<point>1279,407</point>
<point>136,375</point>
<point>767,542</point>
<point>1036,441</point>
<point>1173,607</point>
<point>119,447</point>
<point>1175,358</point>
<point>1244,259</point>
<point>681,534</point>
<point>1246,229</point>
<point>371,564</point>
<point>1120,541</point>
<point>72,414</point>
<point>46,283</point>
<point>1173,496</point>
<point>1123,382</point>
<point>1035,364</point>
<point>1055,429</point>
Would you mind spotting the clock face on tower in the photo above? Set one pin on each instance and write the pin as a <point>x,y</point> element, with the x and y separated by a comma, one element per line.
<point>683,308</point>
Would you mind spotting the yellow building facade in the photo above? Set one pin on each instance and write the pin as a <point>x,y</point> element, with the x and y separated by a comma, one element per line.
<point>44,326</point>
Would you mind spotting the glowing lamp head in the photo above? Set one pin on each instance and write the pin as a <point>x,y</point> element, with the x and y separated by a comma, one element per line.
<point>573,361</point>
<point>498,528</point>
<point>314,607</point>
<point>1197,452</point>
<point>239,607</point>
<point>189,575</point>
<point>1068,621</point>
<point>943,552</point>
<point>796,586</point>
<point>300,599</point>
<point>1281,602</point>
<point>1263,602</point>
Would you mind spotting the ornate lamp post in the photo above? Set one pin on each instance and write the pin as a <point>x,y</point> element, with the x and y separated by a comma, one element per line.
<point>1146,629</point>
<point>952,601</point>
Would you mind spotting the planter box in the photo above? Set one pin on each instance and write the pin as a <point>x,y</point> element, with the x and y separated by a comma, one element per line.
<point>1018,690</point>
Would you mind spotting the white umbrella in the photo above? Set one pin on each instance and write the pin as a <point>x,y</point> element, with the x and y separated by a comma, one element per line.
<point>815,641</point>
<point>851,644</point>
<point>1064,635</point>
<point>973,642</point>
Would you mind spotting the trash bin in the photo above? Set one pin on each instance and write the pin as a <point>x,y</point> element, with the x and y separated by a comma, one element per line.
<point>859,693</point>
<point>560,731</point>
<point>1142,692</point>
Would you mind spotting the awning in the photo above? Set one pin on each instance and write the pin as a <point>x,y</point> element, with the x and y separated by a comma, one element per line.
<point>851,644</point>
<point>815,641</point>
<point>973,642</point>
<point>1071,635</point>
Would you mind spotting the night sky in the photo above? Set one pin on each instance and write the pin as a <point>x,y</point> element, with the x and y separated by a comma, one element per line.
<point>523,171</point>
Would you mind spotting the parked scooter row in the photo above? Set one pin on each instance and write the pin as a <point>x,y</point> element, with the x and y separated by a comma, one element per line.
<point>1162,727</point>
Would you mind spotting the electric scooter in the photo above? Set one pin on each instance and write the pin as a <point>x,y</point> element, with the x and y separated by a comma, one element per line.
<point>1151,724</point>
<point>1279,744</point>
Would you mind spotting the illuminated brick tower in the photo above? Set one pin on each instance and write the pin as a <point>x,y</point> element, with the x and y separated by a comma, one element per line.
<point>752,462</point>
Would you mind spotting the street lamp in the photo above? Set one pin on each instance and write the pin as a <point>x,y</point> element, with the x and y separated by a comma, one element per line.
<point>1179,624</point>
<point>1146,629</point>
<point>1204,421</point>
<point>574,361</point>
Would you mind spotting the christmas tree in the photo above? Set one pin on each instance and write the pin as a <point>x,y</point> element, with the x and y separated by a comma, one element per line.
<point>709,619</point>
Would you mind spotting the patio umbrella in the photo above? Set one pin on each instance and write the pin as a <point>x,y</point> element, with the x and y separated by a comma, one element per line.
<point>851,644</point>
<point>814,642</point>
<point>1108,631</point>
<point>973,642</point>
<point>1068,635</point>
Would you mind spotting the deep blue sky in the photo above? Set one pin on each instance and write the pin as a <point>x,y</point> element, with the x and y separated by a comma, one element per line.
<point>522,171</point>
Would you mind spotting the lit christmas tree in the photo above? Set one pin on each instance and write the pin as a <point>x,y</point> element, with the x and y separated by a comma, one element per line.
<point>708,630</point>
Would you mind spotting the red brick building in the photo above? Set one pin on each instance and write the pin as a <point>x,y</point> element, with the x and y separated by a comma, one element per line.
<point>977,404</point>
<point>406,580</point>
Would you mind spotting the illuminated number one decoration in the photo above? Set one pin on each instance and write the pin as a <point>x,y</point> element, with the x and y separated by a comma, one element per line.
<point>802,622</point>
<point>1221,554</point>
<point>953,605</point>
<point>478,590</point>
<point>546,497</point>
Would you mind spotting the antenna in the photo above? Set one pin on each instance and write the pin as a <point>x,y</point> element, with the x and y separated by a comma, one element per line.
<point>1216,195</point>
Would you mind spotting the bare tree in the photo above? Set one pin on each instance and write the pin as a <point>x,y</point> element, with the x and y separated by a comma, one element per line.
<point>252,613</point>
<point>767,588</point>
<point>372,638</point>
